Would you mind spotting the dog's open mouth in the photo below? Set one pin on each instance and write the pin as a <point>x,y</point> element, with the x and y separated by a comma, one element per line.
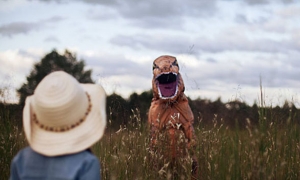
<point>167,84</point>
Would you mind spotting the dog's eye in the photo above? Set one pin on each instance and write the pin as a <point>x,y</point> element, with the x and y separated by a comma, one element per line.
<point>154,66</point>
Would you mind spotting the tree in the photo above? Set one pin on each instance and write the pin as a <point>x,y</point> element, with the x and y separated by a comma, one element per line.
<point>117,110</point>
<point>141,103</point>
<point>54,62</point>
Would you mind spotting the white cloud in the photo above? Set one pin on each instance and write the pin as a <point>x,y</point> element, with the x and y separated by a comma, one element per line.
<point>15,64</point>
<point>289,12</point>
<point>13,4</point>
<point>223,47</point>
<point>124,85</point>
<point>15,61</point>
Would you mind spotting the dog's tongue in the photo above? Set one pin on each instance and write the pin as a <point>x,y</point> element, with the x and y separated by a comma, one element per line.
<point>167,90</point>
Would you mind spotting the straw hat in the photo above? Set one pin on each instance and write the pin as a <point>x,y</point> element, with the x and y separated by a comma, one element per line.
<point>64,116</point>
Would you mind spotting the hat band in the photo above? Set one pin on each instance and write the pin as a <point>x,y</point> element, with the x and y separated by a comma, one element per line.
<point>64,128</point>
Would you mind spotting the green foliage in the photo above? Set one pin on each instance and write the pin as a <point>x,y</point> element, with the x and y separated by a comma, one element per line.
<point>117,110</point>
<point>232,113</point>
<point>120,110</point>
<point>54,62</point>
<point>141,101</point>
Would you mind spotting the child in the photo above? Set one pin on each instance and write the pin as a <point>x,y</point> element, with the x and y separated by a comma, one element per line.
<point>61,120</point>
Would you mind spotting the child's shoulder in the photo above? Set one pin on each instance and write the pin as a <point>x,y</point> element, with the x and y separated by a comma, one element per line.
<point>29,153</point>
<point>86,154</point>
<point>25,152</point>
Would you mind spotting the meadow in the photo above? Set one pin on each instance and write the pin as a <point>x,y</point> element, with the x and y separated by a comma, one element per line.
<point>269,149</point>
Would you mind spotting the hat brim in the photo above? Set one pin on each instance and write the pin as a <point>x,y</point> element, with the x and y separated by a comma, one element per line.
<point>74,140</point>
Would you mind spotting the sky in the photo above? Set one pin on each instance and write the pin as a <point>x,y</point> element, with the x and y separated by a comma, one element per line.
<point>224,48</point>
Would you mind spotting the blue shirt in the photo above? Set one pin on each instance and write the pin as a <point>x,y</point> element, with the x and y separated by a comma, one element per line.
<point>30,165</point>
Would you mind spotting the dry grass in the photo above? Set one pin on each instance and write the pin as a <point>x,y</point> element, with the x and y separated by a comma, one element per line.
<point>11,141</point>
<point>267,151</point>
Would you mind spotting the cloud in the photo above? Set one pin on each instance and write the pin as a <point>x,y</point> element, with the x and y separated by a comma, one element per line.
<point>52,39</point>
<point>289,12</point>
<point>106,64</point>
<point>174,44</point>
<point>14,28</point>
<point>118,73</point>
<point>159,8</point>
<point>150,14</point>
<point>18,28</point>
<point>264,2</point>
<point>226,41</point>
<point>6,7</point>
<point>124,85</point>
<point>15,66</point>
<point>255,2</point>
<point>229,69</point>
<point>154,14</point>
<point>257,45</point>
<point>47,1</point>
<point>241,18</point>
<point>17,60</point>
<point>219,50</point>
<point>158,23</point>
<point>101,13</point>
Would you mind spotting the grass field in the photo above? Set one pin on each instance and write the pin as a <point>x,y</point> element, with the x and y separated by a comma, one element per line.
<point>269,150</point>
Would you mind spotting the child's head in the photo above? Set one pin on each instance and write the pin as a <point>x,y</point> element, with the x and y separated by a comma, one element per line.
<point>64,116</point>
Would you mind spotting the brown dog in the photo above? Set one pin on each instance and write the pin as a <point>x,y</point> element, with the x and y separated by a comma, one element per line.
<point>169,110</point>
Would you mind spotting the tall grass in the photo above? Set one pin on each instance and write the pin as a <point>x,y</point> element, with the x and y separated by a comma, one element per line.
<point>11,139</point>
<point>269,150</point>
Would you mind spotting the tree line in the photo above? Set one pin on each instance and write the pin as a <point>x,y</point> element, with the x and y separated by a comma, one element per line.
<point>121,111</point>
<point>232,114</point>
